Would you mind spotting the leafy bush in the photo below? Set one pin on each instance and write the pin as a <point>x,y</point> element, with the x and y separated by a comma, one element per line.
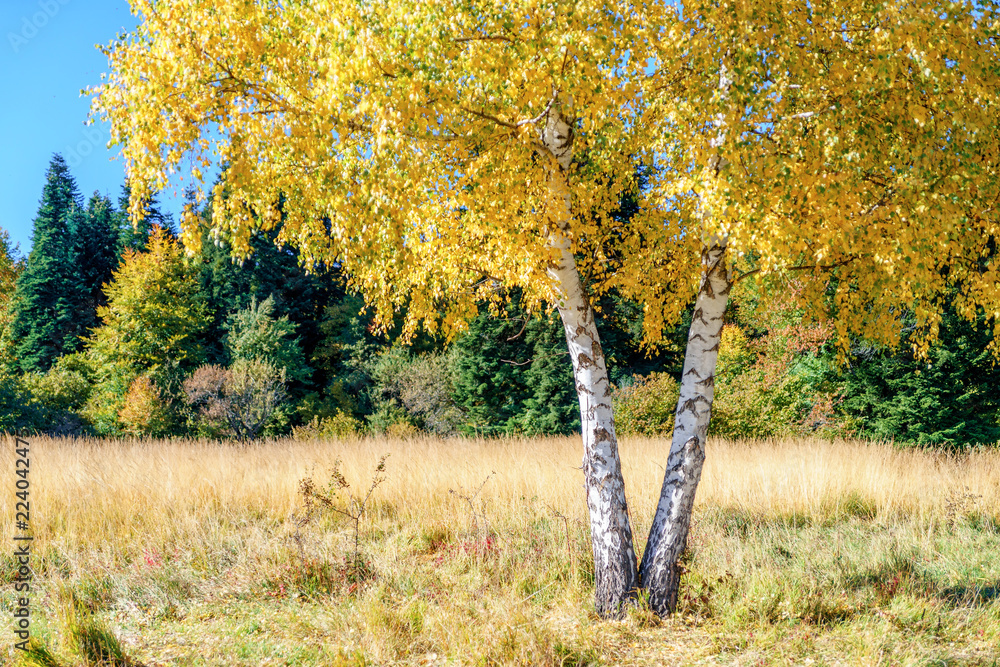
<point>772,386</point>
<point>646,406</point>
<point>58,389</point>
<point>339,425</point>
<point>107,398</point>
<point>750,406</point>
<point>423,386</point>
<point>204,394</point>
<point>327,403</point>
<point>145,411</point>
<point>247,398</point>
<point>392,420</point>
<point>16,413</point>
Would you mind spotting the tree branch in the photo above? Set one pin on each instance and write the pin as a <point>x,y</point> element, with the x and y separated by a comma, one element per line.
<point>804,267</point>
<point>486,38</point>
<point>525,363</point>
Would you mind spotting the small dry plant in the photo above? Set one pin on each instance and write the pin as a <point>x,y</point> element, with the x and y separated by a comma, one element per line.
<point>337,498</point>
<point>477,512</point>
<point>570,551</point>
<point>959,503</point>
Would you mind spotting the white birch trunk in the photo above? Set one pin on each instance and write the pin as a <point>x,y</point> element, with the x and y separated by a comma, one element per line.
<point>610,531</point>
<point>659,571</point>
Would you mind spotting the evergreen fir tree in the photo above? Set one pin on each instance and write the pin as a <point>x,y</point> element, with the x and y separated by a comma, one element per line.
<point>96,237</point>
<point>513,373</point>
<point>489,378</point>
<point>135,237</point>
<point>50,293</point>
<point>256,335</point>
<point>270,272</point>
<point>552,406</point>
<point>950,398</point>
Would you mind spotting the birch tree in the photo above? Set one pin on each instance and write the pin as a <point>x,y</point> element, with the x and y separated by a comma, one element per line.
<point>850,144</point>
<point>440,152</point>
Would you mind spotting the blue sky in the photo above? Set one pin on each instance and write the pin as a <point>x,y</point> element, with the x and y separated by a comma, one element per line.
<point>47,55</point>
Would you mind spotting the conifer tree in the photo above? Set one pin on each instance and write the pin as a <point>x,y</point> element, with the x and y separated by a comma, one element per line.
<point>49,293</point>
<point>949,398</point>
<point>96,237</point>
<point>513,375</point>
<point>488,379</point>
<point>10,268</point>
<point>255,334</point>
<point>271,272</point>
<point>553,406</point>
<point>136,236</point>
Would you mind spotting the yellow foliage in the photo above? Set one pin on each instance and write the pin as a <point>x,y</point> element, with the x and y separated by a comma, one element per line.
<point>860,151</point>
<point>153,314</point>
<point>400,139</point>
<point>734,351</point>
<point>339,425</point>
<point>144,412</point>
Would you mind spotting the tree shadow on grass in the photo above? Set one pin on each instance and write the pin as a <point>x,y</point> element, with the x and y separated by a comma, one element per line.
<point>972,595</point>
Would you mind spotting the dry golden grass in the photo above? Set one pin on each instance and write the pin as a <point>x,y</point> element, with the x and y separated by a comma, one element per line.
<point>90,490</point>
<point>178,544</point>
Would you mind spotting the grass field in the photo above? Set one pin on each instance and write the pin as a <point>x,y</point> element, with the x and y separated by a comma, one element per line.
<point>477,552</point>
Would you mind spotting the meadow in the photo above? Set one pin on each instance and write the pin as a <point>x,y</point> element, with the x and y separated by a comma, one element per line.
<point>477,552</point>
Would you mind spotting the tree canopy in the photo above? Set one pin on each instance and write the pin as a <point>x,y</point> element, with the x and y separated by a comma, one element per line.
<point>407,153</point>
<point>154,313</point>
<point>50,289</point>
<point>854,147</point>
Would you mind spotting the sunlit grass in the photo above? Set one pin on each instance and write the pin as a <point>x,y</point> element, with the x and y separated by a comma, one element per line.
<point>476,552</point>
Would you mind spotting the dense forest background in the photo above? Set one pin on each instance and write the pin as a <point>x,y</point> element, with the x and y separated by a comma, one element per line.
<point>110,329</point>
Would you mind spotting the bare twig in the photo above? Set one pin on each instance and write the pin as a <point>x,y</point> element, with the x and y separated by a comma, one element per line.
<point>485,38</point>
<point>471,500</point>
<point>525,363</point>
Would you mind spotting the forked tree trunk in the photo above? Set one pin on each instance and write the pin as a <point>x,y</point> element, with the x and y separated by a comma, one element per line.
<point>610,532</point>
<point>659,572</point>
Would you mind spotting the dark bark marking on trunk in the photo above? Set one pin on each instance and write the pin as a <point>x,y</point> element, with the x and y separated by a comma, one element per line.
<point>601,435</point>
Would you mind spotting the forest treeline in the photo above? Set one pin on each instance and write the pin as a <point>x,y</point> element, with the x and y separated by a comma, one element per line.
<point>110,329</point>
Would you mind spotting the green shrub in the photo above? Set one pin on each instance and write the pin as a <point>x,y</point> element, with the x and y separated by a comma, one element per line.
<point>16,413</point>
<point>390,419</point>
<point>773,386</point>
<point>145,412</point>
<point>338,425</point>
<point>422,386</point>
<point>58,389</point>
<point>106,400</point>
<point>647,406</point>
<point>749,406</point>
